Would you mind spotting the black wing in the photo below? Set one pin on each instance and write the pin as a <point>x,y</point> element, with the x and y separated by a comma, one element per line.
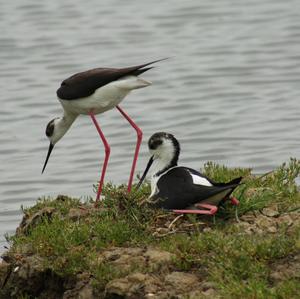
<point>85,83</point>
<point>177,190</point>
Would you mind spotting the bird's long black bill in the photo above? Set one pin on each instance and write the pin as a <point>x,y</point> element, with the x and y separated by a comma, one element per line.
<point>145,172</point>
<point>51,146</point>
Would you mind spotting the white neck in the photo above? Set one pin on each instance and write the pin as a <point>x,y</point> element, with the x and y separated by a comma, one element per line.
<point>163,157</point>
<point>68,119</point>
<point>159,165</point>
<point>62,125</point>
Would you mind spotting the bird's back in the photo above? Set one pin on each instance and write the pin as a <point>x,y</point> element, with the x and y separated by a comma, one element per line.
<point>84,84</point>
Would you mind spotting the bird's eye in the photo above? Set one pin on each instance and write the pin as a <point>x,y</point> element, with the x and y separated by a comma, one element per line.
<point>153,144</point>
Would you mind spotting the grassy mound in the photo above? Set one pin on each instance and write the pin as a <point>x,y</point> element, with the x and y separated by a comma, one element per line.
<point>65,248</point>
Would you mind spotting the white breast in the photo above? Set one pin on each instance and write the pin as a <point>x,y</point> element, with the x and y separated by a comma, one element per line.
<point>154,188</point>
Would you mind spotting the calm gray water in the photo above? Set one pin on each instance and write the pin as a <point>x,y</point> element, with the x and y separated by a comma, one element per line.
<point>230,93</point>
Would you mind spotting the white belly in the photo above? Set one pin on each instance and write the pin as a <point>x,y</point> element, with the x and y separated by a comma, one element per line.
<point>98,102</point>
<point>105,97</point>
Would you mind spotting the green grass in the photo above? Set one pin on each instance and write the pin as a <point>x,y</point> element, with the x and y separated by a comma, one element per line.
<point>238,263</point>
<point>256,192</point>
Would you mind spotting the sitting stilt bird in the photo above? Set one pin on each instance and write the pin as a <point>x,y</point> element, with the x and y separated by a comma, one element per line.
<point>182,189</point>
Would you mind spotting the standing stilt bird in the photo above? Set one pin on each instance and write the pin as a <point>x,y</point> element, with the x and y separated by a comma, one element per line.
<point>94,92</point>
<point>178,188</point>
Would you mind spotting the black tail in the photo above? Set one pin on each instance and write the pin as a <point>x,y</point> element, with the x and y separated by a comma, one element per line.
<point>139,69</point>
<point>148,63</point>
<point>233,184</point>
<point>235,181</point>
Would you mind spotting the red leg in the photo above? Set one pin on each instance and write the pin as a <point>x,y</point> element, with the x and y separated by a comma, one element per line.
<point>137,147</point>
<point>107,153</point>
<point>210,210</point>
<point>234,201</point>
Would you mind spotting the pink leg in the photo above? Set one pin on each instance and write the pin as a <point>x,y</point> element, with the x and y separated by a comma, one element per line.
<point>137,147</point>
<point>107,153</point>
<point>234,201</point>
<point>210,210</point>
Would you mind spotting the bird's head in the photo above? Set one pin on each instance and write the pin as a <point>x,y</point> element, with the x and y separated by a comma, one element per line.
<point>164,149</point>
<point>54,131</point>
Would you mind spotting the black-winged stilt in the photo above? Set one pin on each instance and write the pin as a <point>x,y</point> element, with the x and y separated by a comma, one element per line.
<point>182,189</point>
<point>92,92</point>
